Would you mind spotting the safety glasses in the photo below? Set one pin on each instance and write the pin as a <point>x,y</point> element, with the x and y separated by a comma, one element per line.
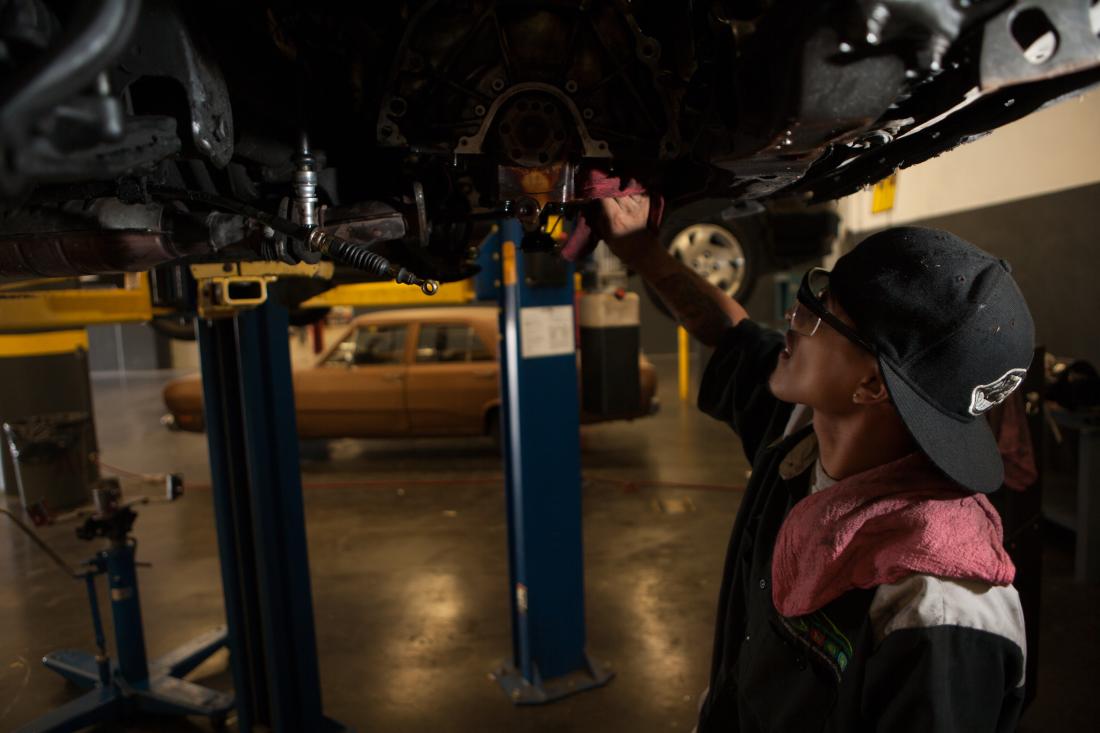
<point>809,310</point>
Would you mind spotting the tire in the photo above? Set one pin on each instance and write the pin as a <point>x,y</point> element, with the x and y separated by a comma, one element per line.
<point>313,449</point>
<point>492,427</point>
<point>180,328</point>
<point>726,252</point>
<point>307,316</point>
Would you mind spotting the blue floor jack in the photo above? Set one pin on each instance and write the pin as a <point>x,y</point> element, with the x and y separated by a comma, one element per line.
<point>129,682</point>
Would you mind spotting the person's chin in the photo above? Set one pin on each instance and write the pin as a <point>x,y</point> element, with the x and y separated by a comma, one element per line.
<point>776,384</point>
<point>783,382</point>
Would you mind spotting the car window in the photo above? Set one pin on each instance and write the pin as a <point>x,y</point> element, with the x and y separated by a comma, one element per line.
<point>370,345</point>
<point>450,342</point>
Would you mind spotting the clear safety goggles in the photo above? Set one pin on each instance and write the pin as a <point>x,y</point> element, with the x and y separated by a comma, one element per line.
<point>809,310</point>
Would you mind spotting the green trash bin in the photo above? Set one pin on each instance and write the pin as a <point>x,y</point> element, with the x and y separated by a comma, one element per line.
<point>50,456</point>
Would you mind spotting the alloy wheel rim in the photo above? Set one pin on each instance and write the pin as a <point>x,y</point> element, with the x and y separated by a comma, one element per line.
<point>714,253</point>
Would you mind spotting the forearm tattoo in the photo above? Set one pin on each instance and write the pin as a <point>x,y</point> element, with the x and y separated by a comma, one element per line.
<point>695,303</point>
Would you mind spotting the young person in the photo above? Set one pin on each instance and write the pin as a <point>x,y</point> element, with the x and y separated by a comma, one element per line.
<point>866,585</point>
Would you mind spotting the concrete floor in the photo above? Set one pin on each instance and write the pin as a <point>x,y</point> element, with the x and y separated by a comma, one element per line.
<point>410,578</point>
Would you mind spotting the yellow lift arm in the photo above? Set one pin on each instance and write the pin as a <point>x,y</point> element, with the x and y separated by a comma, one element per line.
<point>28,310</point>
<point>369,295</point>
<point>51,310</point>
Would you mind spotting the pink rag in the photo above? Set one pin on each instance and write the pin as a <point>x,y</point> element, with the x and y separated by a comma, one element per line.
<point>599,184</point>
<point>879,526</point>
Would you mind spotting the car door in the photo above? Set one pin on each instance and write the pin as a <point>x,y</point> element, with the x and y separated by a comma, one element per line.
<point>358,390</point>
<point>452,378</point>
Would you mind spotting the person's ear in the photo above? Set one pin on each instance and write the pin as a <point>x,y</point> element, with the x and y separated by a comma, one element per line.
<point>871,390</point>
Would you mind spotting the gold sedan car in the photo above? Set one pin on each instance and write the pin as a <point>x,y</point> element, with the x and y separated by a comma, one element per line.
<point>402,373</point>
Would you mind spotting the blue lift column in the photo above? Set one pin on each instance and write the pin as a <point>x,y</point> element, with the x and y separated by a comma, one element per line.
<point>253,441</point>
<point>541,445</point>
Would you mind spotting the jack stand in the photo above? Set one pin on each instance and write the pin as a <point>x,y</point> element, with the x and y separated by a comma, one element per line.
<point>129,682</point>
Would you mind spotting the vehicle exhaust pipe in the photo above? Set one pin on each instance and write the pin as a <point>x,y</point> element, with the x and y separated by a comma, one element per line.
<point>104,237</point>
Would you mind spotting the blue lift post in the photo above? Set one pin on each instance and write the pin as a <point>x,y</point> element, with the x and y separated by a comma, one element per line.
<point>541,445</point>
<point>253,442</point>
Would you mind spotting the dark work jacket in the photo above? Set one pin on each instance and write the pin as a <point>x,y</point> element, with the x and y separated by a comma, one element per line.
<point>831,670</point>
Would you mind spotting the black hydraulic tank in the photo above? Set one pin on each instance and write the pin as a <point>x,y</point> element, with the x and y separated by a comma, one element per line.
<point>610,337</point>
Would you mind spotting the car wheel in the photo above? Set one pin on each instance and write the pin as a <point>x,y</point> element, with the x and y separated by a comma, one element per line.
<point>492,427</point>
<point>725,252</point>
<point>180,328</point>
<point>313,449</point>
<point>307,316</point>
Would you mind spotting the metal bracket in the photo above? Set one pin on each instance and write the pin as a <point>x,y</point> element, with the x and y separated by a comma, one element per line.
<point>1073,45</point>
<point>164,46</point>
<point>473,145</point>
<point>223,297</point>
<point>225,289</point>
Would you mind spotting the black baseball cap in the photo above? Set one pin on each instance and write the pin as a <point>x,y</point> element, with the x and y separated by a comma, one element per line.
<point>953,336</point>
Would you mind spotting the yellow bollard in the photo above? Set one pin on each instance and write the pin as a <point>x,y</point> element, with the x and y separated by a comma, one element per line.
<point>685,362</point>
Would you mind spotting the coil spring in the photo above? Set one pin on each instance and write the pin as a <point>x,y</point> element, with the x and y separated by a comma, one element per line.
<point>358,256</point>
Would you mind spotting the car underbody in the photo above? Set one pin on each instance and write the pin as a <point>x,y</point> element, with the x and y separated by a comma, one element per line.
<point>138,135</point>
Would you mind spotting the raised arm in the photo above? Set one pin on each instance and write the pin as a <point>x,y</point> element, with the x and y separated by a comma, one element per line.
<point>702,308</point>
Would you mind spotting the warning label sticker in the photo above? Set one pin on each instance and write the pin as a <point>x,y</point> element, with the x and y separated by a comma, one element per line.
<point>546,331</point>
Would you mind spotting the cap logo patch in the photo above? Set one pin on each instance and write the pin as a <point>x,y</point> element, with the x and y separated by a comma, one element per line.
<point>985,396</point>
